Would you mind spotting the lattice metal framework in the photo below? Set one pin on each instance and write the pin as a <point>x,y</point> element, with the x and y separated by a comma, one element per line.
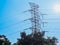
<point>36,25</point>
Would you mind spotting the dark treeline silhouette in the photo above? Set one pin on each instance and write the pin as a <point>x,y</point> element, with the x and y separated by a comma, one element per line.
<point>4,40</point>
<point>30,39</point>
<point>35,39</point>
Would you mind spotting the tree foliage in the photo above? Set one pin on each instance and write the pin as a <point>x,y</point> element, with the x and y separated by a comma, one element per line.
<point>36,39</point>
<point>4,40</point>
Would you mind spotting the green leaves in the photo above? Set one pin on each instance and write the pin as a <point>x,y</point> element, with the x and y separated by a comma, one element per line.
<point>36,39</point>
<point>4,40</point>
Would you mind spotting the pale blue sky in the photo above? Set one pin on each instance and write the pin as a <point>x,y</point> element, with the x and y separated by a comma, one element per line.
<point>12,16</point>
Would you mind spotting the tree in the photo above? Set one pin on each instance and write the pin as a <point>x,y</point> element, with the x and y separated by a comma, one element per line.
<point>4,40</point>
<point>36,39</point>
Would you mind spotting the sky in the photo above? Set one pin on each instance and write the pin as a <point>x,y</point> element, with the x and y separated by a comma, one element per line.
<point>12,16</point>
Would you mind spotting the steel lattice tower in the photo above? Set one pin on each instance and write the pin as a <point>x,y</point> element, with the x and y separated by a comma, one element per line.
<point>35,17</point>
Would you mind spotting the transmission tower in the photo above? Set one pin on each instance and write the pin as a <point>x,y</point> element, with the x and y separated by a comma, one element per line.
<point>36,26</point>
<point>35,18</point>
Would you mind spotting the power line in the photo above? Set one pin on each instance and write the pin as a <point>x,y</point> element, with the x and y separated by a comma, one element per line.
<point>13,24</point>
<point>25,20</point>
<point>13,33</point>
